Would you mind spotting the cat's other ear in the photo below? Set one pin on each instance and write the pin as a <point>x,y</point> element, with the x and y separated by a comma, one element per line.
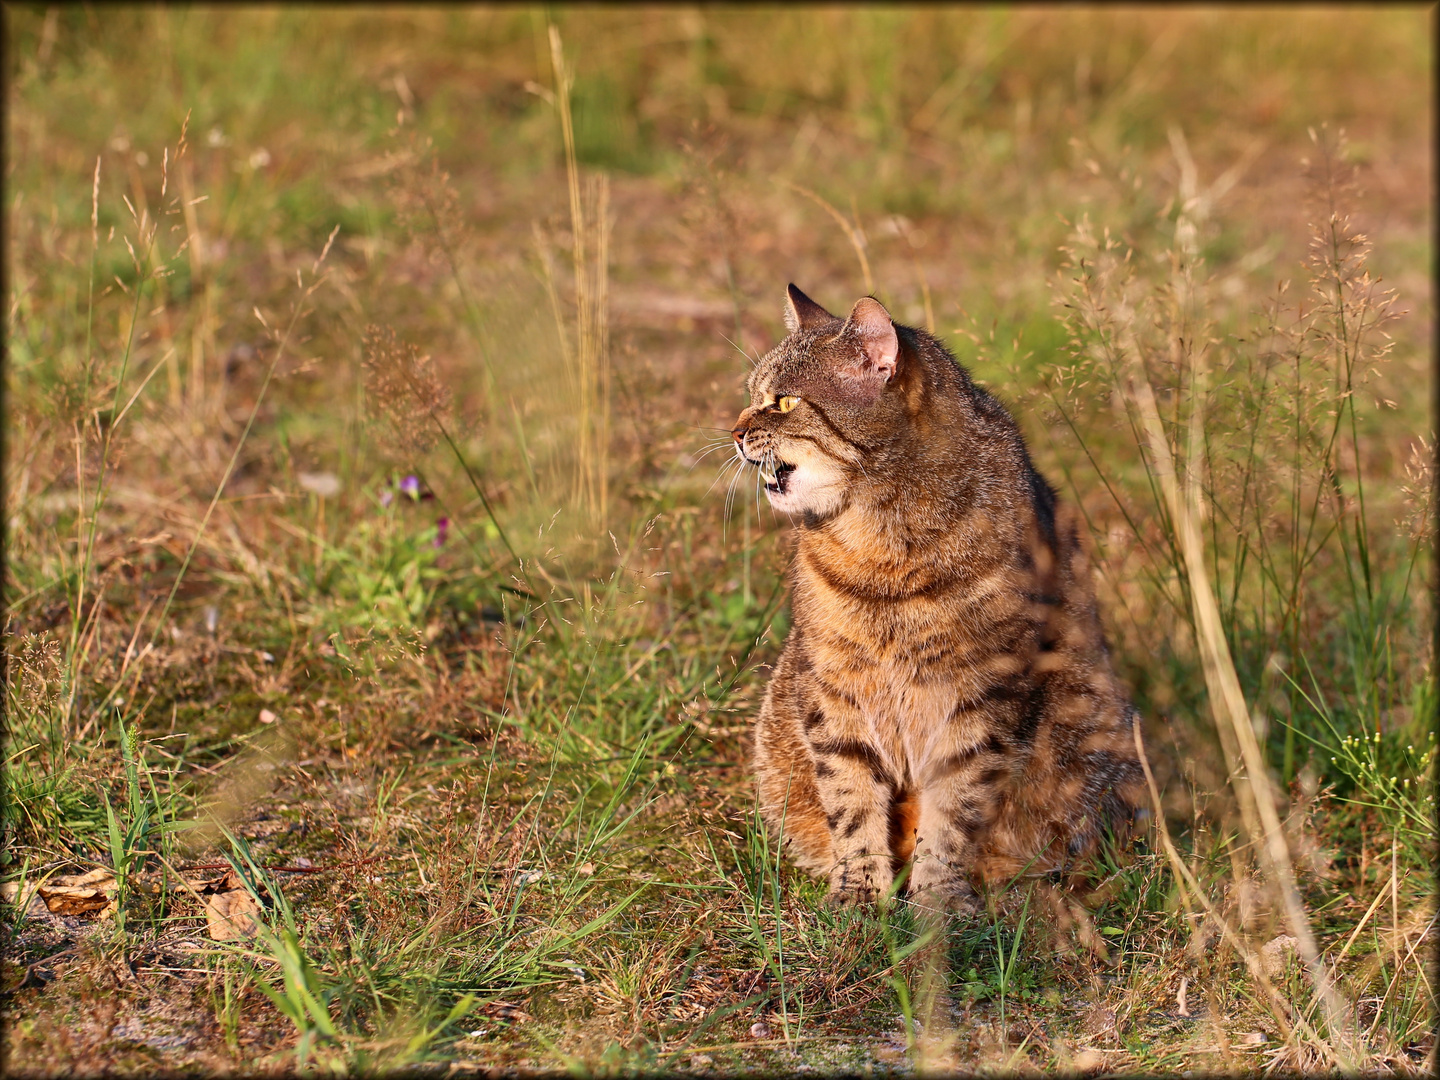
<point>870,322</point>
<point>802,313</point>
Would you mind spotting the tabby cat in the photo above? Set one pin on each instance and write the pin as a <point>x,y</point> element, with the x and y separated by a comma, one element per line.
<point>944,699</point>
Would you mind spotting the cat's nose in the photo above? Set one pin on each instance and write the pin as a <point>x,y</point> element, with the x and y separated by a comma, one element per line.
<point>739,433</point>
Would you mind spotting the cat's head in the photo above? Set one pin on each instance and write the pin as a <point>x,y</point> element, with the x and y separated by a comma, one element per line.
<point>820,401</point>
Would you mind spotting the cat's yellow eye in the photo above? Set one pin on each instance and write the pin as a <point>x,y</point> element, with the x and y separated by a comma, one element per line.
<point>786,403</point>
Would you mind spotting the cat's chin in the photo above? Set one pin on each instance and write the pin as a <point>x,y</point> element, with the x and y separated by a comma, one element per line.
<point>809,501</point>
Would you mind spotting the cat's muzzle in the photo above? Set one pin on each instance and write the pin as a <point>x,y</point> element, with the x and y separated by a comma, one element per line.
<point>776,477</point>
<point>774,472</point>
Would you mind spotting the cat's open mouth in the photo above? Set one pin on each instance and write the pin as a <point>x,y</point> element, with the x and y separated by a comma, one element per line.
<point>776,478</point>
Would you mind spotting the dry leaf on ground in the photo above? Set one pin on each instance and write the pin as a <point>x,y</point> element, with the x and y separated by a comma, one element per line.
<point>230,915</point>
<point>91,893</point>
<point>63,900</point>
<point>212,884</point>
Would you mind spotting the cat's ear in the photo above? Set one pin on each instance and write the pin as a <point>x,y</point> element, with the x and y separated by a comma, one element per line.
<point>802,313</point>
<point>870,322</point>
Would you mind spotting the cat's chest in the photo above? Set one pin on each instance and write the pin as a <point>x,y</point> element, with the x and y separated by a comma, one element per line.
<point>907,660</point>
<point>907,712</point>
<point>917,626</point>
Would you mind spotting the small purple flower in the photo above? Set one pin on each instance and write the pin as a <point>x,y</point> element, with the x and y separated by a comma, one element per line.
<point>411,486</point>
<point>387,497</point>
<point>442,526</point>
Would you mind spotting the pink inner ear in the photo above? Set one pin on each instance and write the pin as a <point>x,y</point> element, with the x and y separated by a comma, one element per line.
<point>877,336</point>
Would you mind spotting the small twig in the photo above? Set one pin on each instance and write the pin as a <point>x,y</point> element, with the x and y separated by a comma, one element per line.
<point>45,960</point>
<point>851,231</point>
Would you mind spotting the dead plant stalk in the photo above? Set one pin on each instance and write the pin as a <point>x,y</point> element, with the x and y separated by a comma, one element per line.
<point>1227,700</point>
<point>590,364</point>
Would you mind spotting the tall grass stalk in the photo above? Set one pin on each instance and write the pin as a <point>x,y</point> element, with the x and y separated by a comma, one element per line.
<point>1227,700</point>
<point>589,363</point>
<point>934,1046</point>
<point>762,866</point>
<point>1194,894</point>
<point>87,526</point>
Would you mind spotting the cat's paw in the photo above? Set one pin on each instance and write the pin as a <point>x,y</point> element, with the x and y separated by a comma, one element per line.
<point>842,898</point>
<point>946,901</point>
<point>937,887</point>
<point>860,882</point>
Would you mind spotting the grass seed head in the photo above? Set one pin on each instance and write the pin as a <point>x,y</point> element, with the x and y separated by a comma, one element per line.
<point>403,386</point>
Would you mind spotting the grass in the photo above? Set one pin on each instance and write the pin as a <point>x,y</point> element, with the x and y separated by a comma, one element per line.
<point>362,541</point>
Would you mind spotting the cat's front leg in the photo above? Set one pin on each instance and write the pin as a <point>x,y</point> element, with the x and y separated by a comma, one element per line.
<point>857,802</point>
<point>856,788</point>
<point>959,799</point>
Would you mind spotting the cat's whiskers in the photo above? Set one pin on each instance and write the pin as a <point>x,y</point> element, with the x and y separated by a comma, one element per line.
<point>730,497</point>
<point>739,462</point>
<point>719,440</point>
<point>703,454</point>
<point>736,463</point>
<point>755,362</point>
<point>767,466</point>
<point>720,431</point>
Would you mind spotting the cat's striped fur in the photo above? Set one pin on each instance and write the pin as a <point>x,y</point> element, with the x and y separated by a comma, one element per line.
<point>945,693</point>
